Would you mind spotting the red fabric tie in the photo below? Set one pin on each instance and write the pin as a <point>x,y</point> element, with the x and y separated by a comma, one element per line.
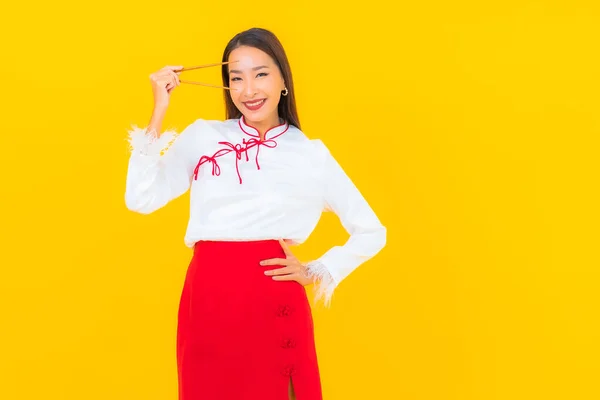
<point>239,149</point>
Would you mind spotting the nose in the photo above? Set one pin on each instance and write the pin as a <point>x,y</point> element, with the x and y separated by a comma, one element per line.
<point>249,89</point>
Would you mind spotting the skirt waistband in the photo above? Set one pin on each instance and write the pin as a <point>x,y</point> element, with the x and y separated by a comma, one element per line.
<point>248,247</point>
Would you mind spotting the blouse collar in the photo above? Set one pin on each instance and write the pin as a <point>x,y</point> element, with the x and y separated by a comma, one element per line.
<point>272,133</point>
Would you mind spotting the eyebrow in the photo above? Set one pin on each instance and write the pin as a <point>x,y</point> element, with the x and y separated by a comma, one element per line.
<point>236,71</point>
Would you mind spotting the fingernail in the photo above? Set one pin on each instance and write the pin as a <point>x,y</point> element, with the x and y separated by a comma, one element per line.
<point>266,272</point>
<point>262,263</point>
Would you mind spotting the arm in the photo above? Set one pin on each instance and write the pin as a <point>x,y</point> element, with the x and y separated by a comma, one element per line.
<point>160,167</point>
<point>367,234</point>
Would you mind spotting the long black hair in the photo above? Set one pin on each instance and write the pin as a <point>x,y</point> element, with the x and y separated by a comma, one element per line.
<point>266,41</point>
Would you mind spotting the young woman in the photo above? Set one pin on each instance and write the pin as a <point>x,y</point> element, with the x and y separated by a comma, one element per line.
<point>257,184</point>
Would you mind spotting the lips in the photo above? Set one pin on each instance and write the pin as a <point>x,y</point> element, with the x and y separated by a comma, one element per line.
<point>254,104</point>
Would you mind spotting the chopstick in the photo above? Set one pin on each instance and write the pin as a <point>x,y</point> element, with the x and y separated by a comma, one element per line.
<point>205,66</point>
<point>204,84</point>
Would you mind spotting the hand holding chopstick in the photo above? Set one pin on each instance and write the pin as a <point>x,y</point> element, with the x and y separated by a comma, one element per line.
<point>167,79</point>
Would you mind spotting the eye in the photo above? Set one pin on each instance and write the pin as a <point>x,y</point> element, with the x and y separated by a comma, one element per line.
<point>235,78</point>
<point>262,73</point>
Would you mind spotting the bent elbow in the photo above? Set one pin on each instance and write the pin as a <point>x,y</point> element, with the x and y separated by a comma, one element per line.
<point>383,237</point>
<point>137,204</point>
<point>379,239</point>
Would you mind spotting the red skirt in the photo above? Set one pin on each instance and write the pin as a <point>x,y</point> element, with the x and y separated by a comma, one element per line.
<point>241,334</point>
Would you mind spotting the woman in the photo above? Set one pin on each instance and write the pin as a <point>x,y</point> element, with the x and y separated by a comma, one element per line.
<point>245,329</point>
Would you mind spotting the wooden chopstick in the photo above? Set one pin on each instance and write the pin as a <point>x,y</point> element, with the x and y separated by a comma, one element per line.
<point>204,84</point>
<point>206,65</point>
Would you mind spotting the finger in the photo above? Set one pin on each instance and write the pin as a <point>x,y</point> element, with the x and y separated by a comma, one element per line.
<point>276,261</point>
<point>288,277</point>
<point>286,248</point>
<point>281,271</point>
<point>170,84</point>
<point>176,78</point>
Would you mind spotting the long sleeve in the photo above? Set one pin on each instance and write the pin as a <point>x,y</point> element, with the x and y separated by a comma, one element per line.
<point>160,169</point>
<point>367,234</point>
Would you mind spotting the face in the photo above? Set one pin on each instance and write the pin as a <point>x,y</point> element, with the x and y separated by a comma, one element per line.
<point>256,85</point>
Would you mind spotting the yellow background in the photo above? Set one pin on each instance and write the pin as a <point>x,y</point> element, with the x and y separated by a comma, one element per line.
<point>471,128</point>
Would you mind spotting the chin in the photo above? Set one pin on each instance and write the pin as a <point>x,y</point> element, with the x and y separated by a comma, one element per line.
<point>255,116</point>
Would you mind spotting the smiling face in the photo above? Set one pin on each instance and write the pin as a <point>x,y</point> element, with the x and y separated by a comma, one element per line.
<point>256,84</point>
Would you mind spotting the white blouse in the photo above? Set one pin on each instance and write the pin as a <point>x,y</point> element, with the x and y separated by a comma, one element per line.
<point>245,188</point>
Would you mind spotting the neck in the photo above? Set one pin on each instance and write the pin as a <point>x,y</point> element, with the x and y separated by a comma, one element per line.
<point>263,126</point>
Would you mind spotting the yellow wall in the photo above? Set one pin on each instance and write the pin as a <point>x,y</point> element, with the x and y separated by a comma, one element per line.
<point>483,116</point>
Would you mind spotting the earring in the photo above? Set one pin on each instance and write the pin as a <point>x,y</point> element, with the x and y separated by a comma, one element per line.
<point>284,92</point>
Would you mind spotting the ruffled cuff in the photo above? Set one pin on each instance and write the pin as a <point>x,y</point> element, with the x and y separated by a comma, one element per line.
<point>323,281</point>
<point>144,142</point>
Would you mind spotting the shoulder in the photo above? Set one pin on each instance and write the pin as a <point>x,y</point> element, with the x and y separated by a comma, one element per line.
<point>315,148</point>
<point>320,151</point>
<point>293,134</point>
<point>319,146</point>
<point>298,136</point>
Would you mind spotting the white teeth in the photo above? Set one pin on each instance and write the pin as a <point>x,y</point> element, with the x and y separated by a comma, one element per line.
<point>255,104</point>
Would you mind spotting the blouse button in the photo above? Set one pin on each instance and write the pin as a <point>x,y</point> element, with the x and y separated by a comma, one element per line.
<point>284,311</point>
<point>288,370</point>
<point>288,343</point>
